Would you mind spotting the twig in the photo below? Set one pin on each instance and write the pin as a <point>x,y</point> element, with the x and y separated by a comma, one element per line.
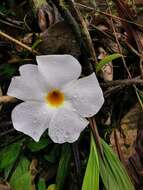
<point>7,132</point>
<point>17,42</point>
<point>7,99</point>
<point>118,148</point>
<point>70,19</point>
<point>118,44</point>
<point>111,90</point>
<point>96,136</point>
<point>11,24</point>
<point>109,15</point>
<point>84,31</point>
<point>120,152</point>
<point>17,60</point>
<point>5,124</point>
<point>19,23</point>
<point>126,82</point>
<point>132,48</point>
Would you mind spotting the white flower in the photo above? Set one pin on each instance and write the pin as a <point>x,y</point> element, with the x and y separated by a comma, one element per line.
<point>54,98</point>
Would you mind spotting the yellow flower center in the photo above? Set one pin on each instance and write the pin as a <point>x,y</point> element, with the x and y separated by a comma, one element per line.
<point>55,98</point>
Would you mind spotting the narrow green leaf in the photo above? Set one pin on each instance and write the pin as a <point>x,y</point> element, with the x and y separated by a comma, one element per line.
<point>112,171</point>
<point>37,146</point>
<point>63,168</point>
<point>9,155</point>
<point>21,178</point>
<point>36,43</point>
<point>91,177</point>
<point>106,60</point>
<point>41,184</point>
<point>139,94</point>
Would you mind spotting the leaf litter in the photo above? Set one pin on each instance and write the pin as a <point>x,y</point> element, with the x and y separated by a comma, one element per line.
<point>82,30</point>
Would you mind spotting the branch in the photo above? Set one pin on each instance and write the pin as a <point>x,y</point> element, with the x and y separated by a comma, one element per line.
<point>7,99</point>
<point>18,42</point>
<point>126,82</point>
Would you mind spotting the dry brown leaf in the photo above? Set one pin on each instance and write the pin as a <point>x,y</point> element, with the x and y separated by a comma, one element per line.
<point>4,186</point>
<point>33,172</point>
<point>59,39</point>
<point>129,127</point>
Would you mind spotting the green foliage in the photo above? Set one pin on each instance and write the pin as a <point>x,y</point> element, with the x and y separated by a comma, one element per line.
<point>112,171</point>
<point>37,146</point>
<point>63,168</point>
<point>53,155</point>
<point>36,43</point>
<point>52,187</point>
<point>3,8</point>
<point>106,60</point>
<point>9,155</point>
<point>21,178</point>
<point>41,184</point>
<point>7,70</point>
<point>91,177</point>
<point>139,94</point>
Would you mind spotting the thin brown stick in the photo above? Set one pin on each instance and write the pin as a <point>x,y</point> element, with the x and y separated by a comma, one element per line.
<point>111,90</point>
<point>132,48</point>
<point>109,15</point>
<point>7,99</point>
<point>118,44</point>
<point>84,30</point>
<point>18,42</point>
<point>11,24</point>
<point>7,132</point>
<point>96,136</point>
<point>119,151</point>
<point>125,82</point>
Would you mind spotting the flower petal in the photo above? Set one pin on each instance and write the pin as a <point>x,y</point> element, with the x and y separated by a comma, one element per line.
<point>32,118</point>
<point>29,86</point>
<point>59,69</point>
<point>85,95</point>
<point>66,126</point>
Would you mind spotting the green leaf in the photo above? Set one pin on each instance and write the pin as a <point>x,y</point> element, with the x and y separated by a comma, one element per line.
<point>106,60</point>
<point>37,146</point>
<point>21,178</point>
<point>7,70</point>
<point>112,171</point>
<point>3,9</point>
<point>63,168</point>
<point>139,94</point>
<point>9,155</point>
<point>41,184</point>
<point>53,155</point>
<point>91,177</point>
<point>36,43</point>
<point>52,187</point>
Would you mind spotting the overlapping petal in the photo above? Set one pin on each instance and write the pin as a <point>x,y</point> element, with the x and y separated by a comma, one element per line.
<point>85,95</point>
<point>66,126</point>
<point>30,85</point>
<point>32,118</point>
<point>59,69</point>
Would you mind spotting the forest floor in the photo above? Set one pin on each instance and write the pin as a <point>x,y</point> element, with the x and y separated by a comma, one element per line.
<point>107,38</point>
